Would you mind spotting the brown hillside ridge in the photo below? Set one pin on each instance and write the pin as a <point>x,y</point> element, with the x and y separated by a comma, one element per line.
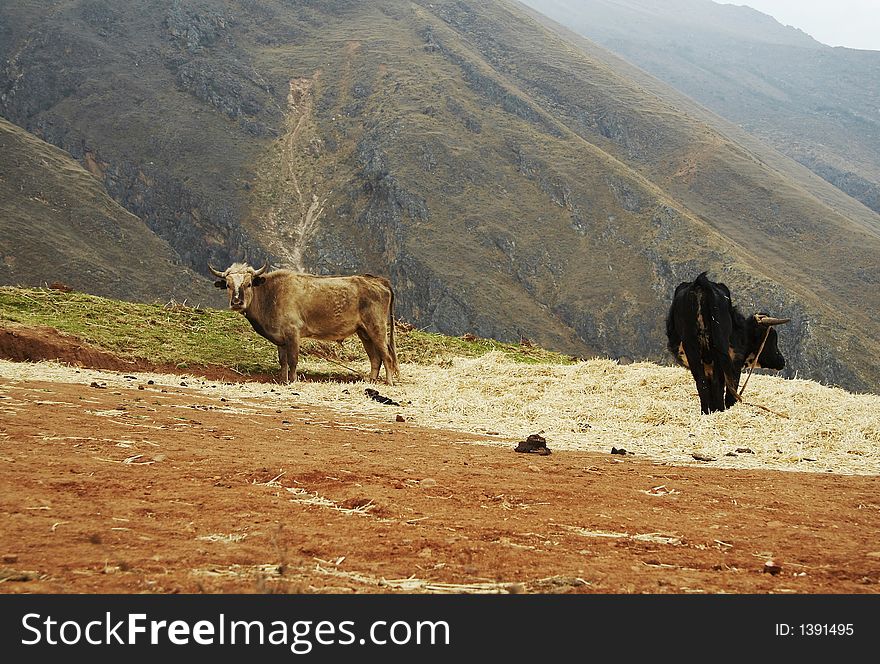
<point>20,343</point>
<point>60,228</point>
<point>510,180</point>
<point>129,482</point>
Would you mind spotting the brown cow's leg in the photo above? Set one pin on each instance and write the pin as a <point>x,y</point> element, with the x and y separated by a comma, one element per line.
<point>377,332</point>
<point>380,341</point>
<point>392,355</point>
<point>293,355</point>
<point>282,360</point>
<point>372,353</point>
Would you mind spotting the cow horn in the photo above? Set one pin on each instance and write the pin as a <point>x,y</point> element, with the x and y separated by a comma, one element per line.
<point>257,273</point>
<point>216,273</point>
<point>761,319</point>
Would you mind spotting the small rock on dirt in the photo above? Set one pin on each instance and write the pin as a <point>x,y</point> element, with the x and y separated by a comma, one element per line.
<point>772,567</point>
<point>619,450</point>
<point>702,457</point>
<point>10,558</point>
<point>400,418</point>
<point>534,444</point>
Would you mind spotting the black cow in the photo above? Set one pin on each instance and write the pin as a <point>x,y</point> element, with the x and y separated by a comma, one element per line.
<point>709,336</point>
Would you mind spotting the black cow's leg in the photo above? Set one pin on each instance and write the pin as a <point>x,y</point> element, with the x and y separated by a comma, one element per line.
<point>732,389</point>
<point>705,392</point>
<point>695,364</point>
<point>717,390</point>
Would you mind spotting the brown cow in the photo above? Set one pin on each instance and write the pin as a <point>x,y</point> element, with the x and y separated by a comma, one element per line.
<point>285,306</point>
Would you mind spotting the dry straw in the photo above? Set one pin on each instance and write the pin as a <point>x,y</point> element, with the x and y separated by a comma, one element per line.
<point>647,409</point>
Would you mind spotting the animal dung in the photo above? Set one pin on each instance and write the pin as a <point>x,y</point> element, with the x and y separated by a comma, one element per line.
<point>534,444</point>
<point>375,396</point>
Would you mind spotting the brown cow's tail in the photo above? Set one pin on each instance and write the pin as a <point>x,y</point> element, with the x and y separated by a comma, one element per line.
<point>392,348</point>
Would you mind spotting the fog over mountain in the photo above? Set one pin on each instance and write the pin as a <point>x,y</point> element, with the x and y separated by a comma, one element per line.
<point>818,105</point>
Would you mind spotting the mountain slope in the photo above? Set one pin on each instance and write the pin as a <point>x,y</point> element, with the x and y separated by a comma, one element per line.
<point>818,105</point>
<point>511,182</point>
<point>60,225</point>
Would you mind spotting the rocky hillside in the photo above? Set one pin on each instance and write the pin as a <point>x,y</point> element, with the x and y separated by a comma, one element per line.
<point>510,179</point>
<point>59,225</point>
<point>818,105</point>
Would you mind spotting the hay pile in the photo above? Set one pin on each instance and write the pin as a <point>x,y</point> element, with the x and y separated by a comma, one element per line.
<point>649,410</point>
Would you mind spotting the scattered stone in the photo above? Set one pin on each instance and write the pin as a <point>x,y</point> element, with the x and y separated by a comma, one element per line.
<point>375,396</point>
<point>534,444</point>
<point>702,457</point>
<point>10,558</point>
<point>60,286</point>
<point>744,450</point>
<point>151,382</point>
<point>731,454</point>
<point>400,418</point>
<point>100,386</point>
<point>619,450</point>
<point>428,482</point>
<point>772,567</point>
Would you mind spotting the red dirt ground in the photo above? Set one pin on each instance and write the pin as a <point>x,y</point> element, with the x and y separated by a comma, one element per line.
<point>172,492</point>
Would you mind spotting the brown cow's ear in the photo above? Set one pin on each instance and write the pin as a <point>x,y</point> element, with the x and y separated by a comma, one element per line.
<point>258,281</point>
<point>220,283</point>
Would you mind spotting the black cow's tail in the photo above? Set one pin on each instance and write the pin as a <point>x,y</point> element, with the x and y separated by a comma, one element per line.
<point>715,308</point>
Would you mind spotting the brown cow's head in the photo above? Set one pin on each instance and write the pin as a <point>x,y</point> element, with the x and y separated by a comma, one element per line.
<point>239,280</point>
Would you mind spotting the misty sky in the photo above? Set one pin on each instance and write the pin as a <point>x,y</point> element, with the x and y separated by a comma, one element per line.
<point>852,23</point>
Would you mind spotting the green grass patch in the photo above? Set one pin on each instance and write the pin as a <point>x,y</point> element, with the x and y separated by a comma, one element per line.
<point>181,335</point>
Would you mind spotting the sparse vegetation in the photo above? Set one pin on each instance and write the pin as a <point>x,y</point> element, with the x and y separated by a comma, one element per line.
<point>181,335</point>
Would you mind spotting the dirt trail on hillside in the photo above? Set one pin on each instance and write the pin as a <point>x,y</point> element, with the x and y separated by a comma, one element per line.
<point>127,486</point>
